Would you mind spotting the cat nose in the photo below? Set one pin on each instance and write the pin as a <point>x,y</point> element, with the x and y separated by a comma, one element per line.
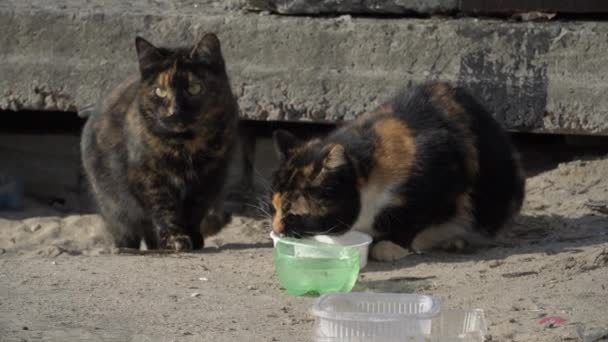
<point>278,227</point>
<point>172,111</point>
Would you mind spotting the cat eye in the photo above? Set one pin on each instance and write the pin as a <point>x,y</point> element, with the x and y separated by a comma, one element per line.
<point>160,93</point>
<point>194,88</point>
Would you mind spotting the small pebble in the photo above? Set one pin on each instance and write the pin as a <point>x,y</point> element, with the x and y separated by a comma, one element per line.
<point>53,263</point>
<point>251,287</point>
<point>195,294</point>
<point>26,328</point>
<point>495,263</point>
<point>203,279</point>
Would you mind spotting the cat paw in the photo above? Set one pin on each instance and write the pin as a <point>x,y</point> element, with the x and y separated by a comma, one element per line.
<point>179,243</point>
<point>214,222</point>
<point>456,245</point>
<point>388,251</point>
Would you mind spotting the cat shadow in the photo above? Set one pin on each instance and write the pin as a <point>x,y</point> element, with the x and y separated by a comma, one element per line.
<point>531,234</point>
<point>205,250</point>
<point>243,246</point>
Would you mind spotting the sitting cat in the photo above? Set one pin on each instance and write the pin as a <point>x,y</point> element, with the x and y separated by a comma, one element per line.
<point>157,153</point>
<point>429,169</point>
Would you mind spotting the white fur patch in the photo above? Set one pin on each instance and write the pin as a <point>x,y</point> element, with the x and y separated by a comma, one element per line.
<point>374,198</point>
<point>451,233</point>
<point>388,251</point>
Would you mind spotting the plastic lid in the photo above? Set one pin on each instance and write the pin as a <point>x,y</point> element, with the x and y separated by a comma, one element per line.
<point>352,306</point>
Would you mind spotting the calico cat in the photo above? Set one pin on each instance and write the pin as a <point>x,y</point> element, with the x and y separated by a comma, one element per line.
<point>157,153</point>
<point>429,169</point>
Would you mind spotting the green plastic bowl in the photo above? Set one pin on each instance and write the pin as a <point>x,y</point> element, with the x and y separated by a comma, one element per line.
<point>311,268</point>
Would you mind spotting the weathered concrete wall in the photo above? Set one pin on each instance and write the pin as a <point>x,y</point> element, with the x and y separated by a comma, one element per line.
<point>550,77</point>
<point>393,7</point>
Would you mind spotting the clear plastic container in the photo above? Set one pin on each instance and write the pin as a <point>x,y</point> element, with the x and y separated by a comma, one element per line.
<point>374,317</point>
<point>459,326</point>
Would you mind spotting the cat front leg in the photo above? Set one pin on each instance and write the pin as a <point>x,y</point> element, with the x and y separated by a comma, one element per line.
<point>215,220</point>
<point>194,211</point>
<point>167,219</point>
<point>205,221</point>
<point>392,236</point>
<point>163,203</point>
<point>171,234</point>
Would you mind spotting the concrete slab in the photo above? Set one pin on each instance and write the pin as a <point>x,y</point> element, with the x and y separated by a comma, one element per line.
<point>546,77</point>
<point>394,7</point>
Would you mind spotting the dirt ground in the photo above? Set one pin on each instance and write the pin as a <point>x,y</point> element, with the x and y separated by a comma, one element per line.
<point>60,281</point>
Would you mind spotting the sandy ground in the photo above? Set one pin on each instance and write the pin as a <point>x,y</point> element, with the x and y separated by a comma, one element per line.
<point>59,280</point>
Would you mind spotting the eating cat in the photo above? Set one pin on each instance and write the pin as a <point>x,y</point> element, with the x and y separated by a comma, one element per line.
<point>429,169</point>
<point>156,154</point>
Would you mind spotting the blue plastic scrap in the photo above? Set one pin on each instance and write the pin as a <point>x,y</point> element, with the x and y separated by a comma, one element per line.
<point>11,193</point>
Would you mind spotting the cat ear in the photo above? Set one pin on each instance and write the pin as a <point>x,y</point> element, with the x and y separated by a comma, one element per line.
<point>147,54</point>
<point>207,49</point>
<point>285,142</point>
<point>335,158</point>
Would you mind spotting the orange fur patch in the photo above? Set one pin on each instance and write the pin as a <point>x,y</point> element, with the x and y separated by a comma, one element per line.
<point>277,220</point>
<point>443,96</point>
<point>164,81</point>
<point>166,77</point>
<point>395,153</point>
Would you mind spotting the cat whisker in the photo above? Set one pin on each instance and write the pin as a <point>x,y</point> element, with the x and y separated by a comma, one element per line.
<point>262,210</point>
<point>320,233</point>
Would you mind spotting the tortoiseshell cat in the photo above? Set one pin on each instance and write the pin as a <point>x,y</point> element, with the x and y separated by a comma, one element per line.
<point>429,169</point>
<point>157,153</point>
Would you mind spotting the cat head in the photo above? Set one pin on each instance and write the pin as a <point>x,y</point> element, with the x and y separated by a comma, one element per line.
<point>180,87</point>
<point>314,190</point>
